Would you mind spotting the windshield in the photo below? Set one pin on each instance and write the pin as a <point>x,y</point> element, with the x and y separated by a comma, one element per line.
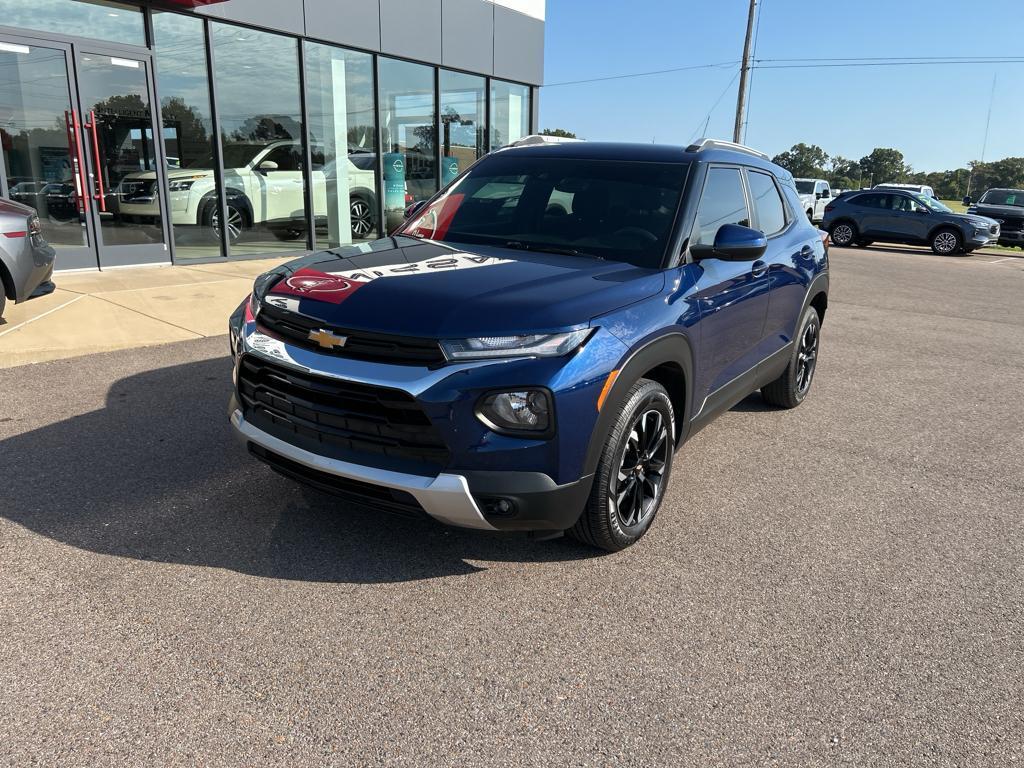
<point>805,187</point>
<point>932,204</point>
<point>1004,197</point>
<point>607,209</point>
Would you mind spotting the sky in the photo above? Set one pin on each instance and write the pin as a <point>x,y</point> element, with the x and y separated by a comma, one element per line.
<point>935,115</point>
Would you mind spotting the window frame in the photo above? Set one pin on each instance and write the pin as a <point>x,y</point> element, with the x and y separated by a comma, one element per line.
<point>787,214</point>
<point>695,224</point>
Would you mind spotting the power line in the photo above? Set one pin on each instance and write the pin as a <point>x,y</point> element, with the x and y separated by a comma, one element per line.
<point>707,118</point>
<point>1018,60</point>
<point>646,74</point>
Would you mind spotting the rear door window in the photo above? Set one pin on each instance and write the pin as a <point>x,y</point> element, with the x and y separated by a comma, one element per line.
<point>722,202</point>
<point>768,206</point>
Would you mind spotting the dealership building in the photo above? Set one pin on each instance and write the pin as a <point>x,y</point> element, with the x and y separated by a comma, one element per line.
<point>200,130</point>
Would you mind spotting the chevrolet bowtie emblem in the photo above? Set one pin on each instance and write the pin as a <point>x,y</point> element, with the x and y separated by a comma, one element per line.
<point>326,339</point>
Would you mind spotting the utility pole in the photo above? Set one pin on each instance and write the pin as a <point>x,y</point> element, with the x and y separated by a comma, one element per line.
<point>741,97</point>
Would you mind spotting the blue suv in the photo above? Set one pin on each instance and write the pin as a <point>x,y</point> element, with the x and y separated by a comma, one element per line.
<point>532,346</point>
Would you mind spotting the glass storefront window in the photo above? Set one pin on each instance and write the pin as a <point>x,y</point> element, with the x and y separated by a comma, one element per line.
<point>463,115</point>
<point>408,127</point>
<point>343,144</point>
<point>37,134</point>
<point>182,80</point>
<point>258,105</point>
<point>510,112</point>
<point>114,22</point>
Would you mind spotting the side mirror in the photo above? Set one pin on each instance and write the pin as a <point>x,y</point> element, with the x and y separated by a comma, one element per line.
<point>922,210</point>
<point>414,208</point>
<point>734,242</point>
<point>967,200</point>
<point>818,195</point>
<point>267,165</point>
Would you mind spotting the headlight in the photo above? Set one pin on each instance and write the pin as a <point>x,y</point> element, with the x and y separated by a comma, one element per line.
<point>181,186</point>
<point>533,345</point>
<point>517,411</point>
<point>262,284</point>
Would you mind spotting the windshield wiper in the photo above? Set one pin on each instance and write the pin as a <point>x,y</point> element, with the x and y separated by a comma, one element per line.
<point>521,246</point>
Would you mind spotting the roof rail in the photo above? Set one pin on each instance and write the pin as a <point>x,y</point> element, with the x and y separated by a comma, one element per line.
<point>701,144</point>
<point>538,138</point>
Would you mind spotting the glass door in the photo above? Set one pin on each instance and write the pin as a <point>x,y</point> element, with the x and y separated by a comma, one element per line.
<point>43,155</point>
<point>123,156</point>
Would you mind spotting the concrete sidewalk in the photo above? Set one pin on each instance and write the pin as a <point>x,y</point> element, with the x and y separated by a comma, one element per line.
<point>125,308</point>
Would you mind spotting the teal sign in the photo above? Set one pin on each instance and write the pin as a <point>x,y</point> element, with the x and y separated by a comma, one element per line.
<point>449,169</point>
<point>394,181</point>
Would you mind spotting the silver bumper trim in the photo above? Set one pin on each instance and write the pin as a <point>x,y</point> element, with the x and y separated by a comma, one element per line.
<point>445,498</point>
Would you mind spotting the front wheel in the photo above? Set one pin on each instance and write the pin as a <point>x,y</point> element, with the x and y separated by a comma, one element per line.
<point>361,216</point>
<point>633,472</point>
<point>946,242</point>
<point>790,389</point>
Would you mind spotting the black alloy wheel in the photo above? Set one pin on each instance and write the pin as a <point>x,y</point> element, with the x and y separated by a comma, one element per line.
<point>633,471</point>
<point>362,218</point>
<point>790,389</point>
<point>640,481</point>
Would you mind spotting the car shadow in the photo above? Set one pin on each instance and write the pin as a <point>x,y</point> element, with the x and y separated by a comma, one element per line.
<point>157,474</point>
<point>753,403</point>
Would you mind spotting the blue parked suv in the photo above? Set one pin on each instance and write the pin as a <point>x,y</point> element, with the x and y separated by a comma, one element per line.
<point>530,349</point>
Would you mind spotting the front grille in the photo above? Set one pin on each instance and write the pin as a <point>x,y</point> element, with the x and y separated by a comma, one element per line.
<point>359,345</point>
<point>994,229</point>
<point>340,419</point>
<point>1013,225</point>
<point>131,190</point>
<point>388,499</point>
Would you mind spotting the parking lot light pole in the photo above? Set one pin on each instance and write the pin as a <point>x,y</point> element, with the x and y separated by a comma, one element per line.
<point>741,97</point>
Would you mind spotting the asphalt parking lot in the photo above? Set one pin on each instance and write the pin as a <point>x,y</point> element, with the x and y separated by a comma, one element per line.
<point>838,584</point>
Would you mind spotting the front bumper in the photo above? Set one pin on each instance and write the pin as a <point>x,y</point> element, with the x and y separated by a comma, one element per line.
<point>445,497</point>
<point>1012,238</point>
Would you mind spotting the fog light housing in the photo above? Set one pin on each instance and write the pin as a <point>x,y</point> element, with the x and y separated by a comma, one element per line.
<point>525,411</point>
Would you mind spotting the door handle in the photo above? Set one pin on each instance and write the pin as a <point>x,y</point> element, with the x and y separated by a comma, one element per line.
<point>101,194</point>
<point>758,268</point>
<point>78,159</point>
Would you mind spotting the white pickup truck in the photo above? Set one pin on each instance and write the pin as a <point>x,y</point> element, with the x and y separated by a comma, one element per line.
<point>815,194</point>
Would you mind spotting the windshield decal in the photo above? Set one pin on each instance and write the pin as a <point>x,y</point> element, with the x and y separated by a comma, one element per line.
<point>335,287</point>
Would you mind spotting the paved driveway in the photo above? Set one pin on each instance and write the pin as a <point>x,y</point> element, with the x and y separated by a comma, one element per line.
<point>842,583</point>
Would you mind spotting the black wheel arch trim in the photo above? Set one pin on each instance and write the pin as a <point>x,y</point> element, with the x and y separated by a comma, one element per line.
<point>670,348</point>
<point>818,285</point>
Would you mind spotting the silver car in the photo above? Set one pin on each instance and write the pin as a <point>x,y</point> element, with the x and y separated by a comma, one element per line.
<point>26,259</point>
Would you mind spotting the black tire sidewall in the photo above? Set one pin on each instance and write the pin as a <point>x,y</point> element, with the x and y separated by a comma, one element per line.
<point>643,396</point>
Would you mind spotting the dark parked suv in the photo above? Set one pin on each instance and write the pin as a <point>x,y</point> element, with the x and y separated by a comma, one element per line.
<point>898,216</point>
<point>1006,206</point>
<point>536,341</point>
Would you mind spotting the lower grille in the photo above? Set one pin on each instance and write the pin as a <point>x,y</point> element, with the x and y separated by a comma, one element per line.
<point>341,419</point>
<point>356,491</point>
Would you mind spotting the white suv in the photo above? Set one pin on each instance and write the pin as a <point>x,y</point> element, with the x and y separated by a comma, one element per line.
<point>263,185</point>
<point>815,194</point>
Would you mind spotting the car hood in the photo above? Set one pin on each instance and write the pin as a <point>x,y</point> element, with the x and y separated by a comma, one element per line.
<point>412,287</point>
<point>997,211</point>
<point>972,218</point>
<point>172,174</point>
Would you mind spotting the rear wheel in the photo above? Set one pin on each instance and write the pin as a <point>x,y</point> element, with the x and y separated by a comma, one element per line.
<point>843,234</point>
<point>790,389</point>
<point>3,300</point>
<point>633,472</point>
<point>946,242</point>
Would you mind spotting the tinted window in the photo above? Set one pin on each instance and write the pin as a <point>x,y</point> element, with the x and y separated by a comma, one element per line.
<point>805,187</point>
<point>1004,197</point>
<point>870,201</point>
<point>721,203</point>
<point>771,216</point>
<point>614,210</point>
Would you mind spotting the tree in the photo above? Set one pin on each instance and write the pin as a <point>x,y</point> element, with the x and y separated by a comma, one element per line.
<point>883,165</point>
<point>803,161</point>
<point>561,132</point>
<point>1008,172</point>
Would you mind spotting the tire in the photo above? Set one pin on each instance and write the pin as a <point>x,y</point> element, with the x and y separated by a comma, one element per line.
<point>237,220</point>
<point>946,242</point>
<point>810,215</point>
<point>616,516</point>
<point>843,234</point>
<point>361,216</point>
<point>288,234</point>
<point>3,300</point>
<point>790,389</point>
<point>864,243</point>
